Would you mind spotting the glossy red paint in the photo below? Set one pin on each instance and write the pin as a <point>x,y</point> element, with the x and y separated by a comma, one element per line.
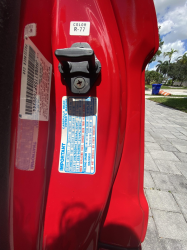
<point>27,187</point>
<point>110,205</point>
<point>126,221</point>
<point>76,202</point>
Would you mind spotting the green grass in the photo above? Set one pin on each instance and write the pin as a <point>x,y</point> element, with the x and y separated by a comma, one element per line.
<point>165,87</point>
<point>169,95</point>
<point>176,103</point>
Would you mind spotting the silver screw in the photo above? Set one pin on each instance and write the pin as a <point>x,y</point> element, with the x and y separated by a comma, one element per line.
<point>79,82</point>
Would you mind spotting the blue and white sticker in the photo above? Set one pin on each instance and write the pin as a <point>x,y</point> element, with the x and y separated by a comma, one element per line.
<point>79,135</point>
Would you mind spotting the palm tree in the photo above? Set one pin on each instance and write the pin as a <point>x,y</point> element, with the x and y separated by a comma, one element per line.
<point>162,67</point>
<point>159,66</point>
<point>182,60</point>
<point>169,53</point>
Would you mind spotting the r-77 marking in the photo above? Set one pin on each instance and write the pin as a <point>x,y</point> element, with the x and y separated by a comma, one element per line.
<point>82,28</point>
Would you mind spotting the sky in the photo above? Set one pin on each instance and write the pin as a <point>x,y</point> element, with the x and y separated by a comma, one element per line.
<point>172,17</point>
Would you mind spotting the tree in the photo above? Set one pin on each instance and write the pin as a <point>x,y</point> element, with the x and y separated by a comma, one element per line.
<point>173,71</point>
<point>177,70</point>
<point>182,68</point>
<point>183,59</point>
<point>161,70</point>
<point>162,67</point>
<point>170,53</point>
<point>159,66</point>
<point>159,51</point>
<point>153,77</point>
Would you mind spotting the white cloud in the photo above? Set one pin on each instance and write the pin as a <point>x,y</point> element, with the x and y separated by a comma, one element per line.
<point>163,6</point>
<point>178,45</point>
<point>175,22</point>
<point>166,27</point>
<point>172,17</point>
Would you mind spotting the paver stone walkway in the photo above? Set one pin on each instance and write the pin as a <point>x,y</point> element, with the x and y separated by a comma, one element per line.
<point>165,179</point>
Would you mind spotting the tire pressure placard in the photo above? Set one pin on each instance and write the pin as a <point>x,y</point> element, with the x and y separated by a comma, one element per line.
<point>79,135</point>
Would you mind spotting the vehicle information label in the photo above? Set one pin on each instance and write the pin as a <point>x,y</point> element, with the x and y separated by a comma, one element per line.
<point>79,135</point>
<point>79,28</point>
<point>35,84</point>
<point>26,148</point>
<point>30,30</point>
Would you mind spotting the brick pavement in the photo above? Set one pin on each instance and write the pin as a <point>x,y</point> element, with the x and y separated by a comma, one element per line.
<point>165,179</point>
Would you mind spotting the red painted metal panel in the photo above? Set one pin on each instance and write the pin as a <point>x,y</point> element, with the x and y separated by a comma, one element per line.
<point>76,202</point>
<point>126,221</point>
<point>110,205</point>
<point>27,187</point>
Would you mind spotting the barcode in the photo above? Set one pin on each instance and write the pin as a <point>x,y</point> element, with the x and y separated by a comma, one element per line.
<point>32,80</point>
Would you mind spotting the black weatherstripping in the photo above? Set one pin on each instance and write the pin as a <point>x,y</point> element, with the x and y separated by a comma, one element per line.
<point>79,67</point>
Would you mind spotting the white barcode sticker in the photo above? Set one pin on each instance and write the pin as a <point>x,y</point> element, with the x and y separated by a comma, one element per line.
<point>30,30</point>
<point>79,28</point>
<point>35,84</point>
